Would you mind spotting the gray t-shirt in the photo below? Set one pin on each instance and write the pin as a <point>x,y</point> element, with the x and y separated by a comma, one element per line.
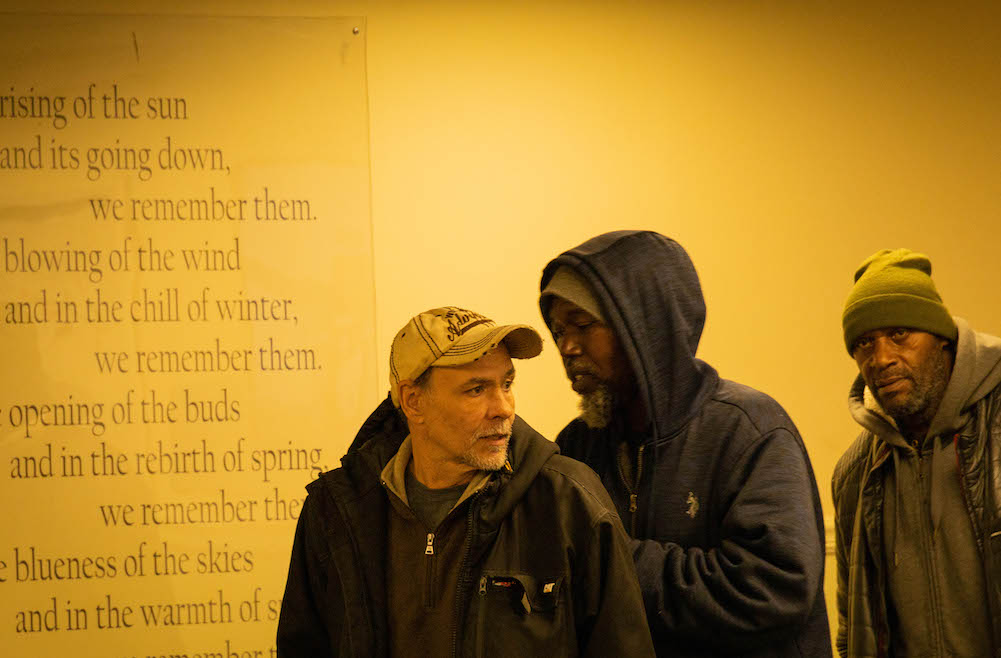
<point>431,506</point>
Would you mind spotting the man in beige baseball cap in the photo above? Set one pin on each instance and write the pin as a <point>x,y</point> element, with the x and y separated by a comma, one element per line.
<point>452,527</point>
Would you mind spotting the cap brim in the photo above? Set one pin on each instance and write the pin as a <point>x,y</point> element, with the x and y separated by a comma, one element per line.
<point>521,340</point>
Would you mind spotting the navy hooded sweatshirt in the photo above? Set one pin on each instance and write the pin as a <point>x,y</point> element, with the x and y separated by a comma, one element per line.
<point>726,524</point>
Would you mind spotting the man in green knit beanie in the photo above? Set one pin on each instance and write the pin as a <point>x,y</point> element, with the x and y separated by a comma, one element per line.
<point>916,496</point>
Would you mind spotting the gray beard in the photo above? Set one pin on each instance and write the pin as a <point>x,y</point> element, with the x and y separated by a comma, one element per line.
<point>495,458</point>
<point>597,406</point>
<point>494,461</point>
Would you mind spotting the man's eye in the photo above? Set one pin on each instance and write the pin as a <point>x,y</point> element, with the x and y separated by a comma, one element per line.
<point>583,326</point>
<point>476,390</point>
<point>508,384</point>
<point>900,333</point>
<point>861,344</point>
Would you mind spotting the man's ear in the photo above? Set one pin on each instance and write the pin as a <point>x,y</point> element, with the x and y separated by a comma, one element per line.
<point>412,401</point>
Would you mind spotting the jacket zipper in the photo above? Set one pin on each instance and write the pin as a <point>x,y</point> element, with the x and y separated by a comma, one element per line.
<point>632,489</point>
<point>460,603</point>
<point>429,572</point>
<point>481,620</point>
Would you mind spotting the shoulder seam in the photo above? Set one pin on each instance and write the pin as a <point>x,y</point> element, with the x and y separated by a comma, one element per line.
<point>751,420</point>
<point>580,485</point>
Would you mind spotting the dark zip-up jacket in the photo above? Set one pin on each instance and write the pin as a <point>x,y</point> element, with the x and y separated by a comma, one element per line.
<point>969,420</point>
<point>545,572</point>
<point>725,514</point>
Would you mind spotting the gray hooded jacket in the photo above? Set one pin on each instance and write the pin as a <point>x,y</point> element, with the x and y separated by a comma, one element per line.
<point>917,526</point>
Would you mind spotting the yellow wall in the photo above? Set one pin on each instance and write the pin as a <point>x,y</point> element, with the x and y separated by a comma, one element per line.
<point>780,143</point>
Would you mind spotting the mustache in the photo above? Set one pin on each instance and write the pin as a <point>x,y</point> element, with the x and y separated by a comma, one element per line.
<point>889,377</point>
<point>500,429</point>
<point>577,366</point>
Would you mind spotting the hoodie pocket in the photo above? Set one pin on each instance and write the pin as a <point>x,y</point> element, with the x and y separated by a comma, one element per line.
<point>520,614</point>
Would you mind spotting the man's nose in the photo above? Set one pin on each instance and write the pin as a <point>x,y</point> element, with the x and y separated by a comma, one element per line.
<point>569,345</point>
<point>884,353</point>
<point>502,404</point>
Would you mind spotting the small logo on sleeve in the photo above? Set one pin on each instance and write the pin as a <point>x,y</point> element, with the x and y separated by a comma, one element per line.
<point>693,505</point>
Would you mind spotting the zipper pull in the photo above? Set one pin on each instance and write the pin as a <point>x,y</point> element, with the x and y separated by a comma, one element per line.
<point>483,585</point>
<point>632,503</point>
<point>430,547</point>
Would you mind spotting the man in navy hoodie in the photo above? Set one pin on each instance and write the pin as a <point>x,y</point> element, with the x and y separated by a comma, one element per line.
<point>710,477</point>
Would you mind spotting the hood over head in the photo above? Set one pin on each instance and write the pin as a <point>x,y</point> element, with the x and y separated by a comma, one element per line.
<point>651,298</point>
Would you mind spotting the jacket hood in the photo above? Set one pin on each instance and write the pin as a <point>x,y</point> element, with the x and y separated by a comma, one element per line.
<point>528,452</point>
<point>976,371</point>
<point>382,433</point>
<point>651,298</point>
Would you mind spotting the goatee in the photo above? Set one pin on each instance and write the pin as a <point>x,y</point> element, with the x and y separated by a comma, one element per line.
<point>597,406</point>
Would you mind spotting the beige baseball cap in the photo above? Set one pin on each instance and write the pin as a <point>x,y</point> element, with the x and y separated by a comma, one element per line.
<point>452,336</point>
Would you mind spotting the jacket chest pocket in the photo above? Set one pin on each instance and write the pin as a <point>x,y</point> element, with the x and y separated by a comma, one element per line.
<point>519,614</point>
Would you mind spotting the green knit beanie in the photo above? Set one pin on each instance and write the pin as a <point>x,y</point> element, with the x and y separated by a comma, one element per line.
<point>893,288</point>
